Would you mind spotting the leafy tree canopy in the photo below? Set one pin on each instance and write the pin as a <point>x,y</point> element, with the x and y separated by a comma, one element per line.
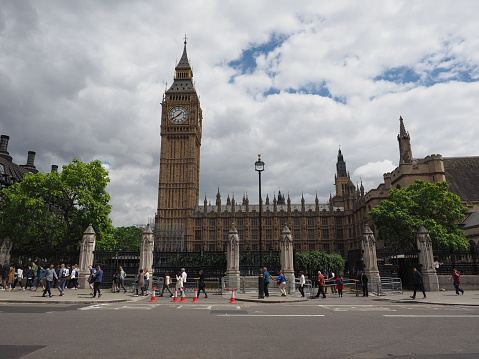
<point>127,238</point>
<point>52,210</point>
<point>422,203</point>
<point>313,261</point>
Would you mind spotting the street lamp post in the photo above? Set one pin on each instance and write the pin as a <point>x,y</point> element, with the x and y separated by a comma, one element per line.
<point>259,167</point>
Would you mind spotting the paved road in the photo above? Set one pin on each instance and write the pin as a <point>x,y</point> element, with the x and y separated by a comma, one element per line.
<point>331,328</point>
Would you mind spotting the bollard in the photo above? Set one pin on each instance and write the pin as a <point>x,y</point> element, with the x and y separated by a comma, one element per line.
<point>233,296</point>
<point>183,297</point>
<point>195,298</point>
<point>153,297</point>
<point>175,298</point>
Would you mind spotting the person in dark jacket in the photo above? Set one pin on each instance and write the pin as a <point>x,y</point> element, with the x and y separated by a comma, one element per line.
<point>418,284</point>
<point>5,271</point>
<point>363,281</point>
<point>98,278</point>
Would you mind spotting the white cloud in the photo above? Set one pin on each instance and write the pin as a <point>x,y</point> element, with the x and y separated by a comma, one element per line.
<point>86,80</point>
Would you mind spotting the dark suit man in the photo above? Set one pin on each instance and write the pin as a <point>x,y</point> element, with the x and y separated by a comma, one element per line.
<point>363,280</point>
<point>418,284</point>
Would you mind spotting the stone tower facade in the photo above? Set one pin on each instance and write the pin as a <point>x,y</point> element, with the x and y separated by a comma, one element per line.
<point>178,189</point>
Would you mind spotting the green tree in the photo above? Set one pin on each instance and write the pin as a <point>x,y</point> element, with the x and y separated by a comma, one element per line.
<point>128,238</point>
<point>398,217</point>
<point>52,210</point>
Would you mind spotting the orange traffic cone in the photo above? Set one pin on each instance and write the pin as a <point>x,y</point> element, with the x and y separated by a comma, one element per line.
<point>233,296</point>
<point>183,298</point>
<point>175,298</point>
<point>195,298</point>
<point>153,298</point>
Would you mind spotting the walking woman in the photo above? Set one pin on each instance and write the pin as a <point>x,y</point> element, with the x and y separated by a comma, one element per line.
<point>179,282</point>
<point>74,277</point>
<point>282,283</point>
<point>40,279</point>
<point>147,280</point>
<point>166,284</point>
<point>340,285</point>
<point>302,282</point>
<point>11,278</point>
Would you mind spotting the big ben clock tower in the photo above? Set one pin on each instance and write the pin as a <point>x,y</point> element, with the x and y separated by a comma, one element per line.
<point>178,189</point>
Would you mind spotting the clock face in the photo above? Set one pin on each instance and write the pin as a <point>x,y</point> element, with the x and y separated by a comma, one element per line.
<point>178,115</point>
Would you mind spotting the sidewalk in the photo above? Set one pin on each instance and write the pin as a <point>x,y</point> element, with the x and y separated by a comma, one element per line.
<point>470,298</point>
<point>80,296</point>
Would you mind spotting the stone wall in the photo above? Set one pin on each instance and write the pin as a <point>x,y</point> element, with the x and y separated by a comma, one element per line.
<point>468,282</point>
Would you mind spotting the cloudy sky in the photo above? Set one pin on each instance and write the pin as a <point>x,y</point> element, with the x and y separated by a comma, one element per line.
<point>290,80</point>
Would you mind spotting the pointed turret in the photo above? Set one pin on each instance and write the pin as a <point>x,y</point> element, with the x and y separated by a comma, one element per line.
<point>405,152</point>
<point>341,166</point>
<point>183,81</point>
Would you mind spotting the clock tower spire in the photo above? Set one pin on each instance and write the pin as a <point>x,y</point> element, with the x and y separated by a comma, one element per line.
<point>178,189</point>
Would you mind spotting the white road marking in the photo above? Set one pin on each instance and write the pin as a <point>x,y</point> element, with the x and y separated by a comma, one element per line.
<point>429,316</point>
<point>357,308</point>
<point>270,315</point>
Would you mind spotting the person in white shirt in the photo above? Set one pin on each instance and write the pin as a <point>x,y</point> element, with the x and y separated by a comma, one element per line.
<point>179,283</point>
<point>19,278</point>
<point>183,277</point>
<point>302,282</point>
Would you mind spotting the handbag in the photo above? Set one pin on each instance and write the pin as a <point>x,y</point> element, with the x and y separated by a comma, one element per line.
<point>278,282</point>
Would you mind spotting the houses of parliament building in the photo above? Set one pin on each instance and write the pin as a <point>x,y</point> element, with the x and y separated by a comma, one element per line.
<point>181,224</point>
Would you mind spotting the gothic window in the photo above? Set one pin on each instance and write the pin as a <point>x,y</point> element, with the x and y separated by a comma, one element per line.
<point>226,222</point>
<point>212,235</point>
<point>339,221</point>
<point>269,234</point>
<point>324,221</point>
<point>198,235</point>
<point>240,222</point>
<point>310,233</point>
<point>282,222</point>
<point>212,222</point>
<point>297,234</point>
<point>339,233</point>
<point>311,221</point>
<point>198,222</point>
<point>296,222</point>
<point>2,169</point>
<point>254,222</point>
<point>254,234</point>
<point>325,234</point>
<point>268,221</point>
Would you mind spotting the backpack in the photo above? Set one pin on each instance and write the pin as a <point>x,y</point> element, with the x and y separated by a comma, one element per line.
<point>340,282</point>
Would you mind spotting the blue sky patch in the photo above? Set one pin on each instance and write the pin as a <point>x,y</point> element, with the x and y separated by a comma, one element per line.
<point>246,64</point>
<point>401,75</point>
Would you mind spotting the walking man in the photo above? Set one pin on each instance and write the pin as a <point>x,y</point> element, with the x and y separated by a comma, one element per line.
<point>98,278</point>
<point>122,278</point>
<point>456,275</point>
<point>320,285</point>
<point>266,276</point>
<point>50,276</point>
<point>363,280</point>
<point>418,284</point>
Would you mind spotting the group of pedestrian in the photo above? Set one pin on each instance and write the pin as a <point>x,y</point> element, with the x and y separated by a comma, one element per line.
<point>33,276</point>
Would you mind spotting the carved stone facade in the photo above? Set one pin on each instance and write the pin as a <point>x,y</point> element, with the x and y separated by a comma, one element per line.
<point>87,248</point>
<point>369,255</point>
<point>286,258</point>
<point>426,260</point>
